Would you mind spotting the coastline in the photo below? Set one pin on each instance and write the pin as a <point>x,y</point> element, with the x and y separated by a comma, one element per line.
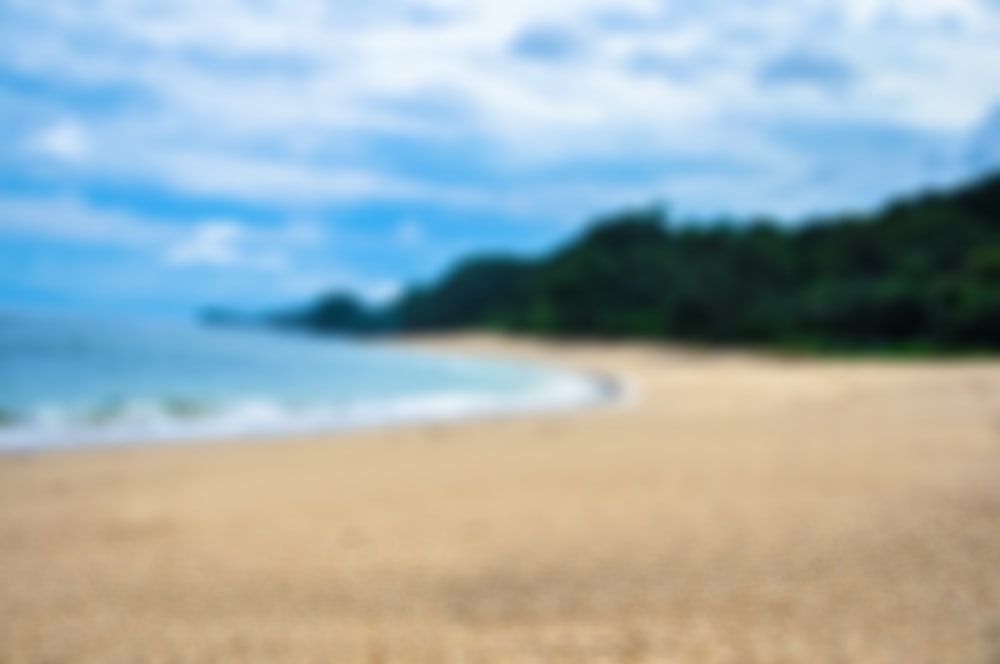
<point>745,507</point>
<point>559,390</point>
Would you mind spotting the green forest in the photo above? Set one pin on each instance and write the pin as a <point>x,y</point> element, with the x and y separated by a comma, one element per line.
<point>921,274</point>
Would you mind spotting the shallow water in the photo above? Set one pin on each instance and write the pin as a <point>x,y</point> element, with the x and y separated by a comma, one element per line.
<point>68,380</point>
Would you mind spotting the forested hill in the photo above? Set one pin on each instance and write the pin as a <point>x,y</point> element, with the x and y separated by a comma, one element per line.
<point>921,274</point>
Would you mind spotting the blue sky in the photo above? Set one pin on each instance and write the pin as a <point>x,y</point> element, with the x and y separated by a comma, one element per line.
<point>157,156</point>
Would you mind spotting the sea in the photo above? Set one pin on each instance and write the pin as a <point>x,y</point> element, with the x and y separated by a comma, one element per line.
<point>71,380</point>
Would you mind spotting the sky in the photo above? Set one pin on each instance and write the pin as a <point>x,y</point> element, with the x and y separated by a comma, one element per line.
<point>161,156</point>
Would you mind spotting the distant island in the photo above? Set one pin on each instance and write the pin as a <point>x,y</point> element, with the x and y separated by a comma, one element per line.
<point>920,275</point>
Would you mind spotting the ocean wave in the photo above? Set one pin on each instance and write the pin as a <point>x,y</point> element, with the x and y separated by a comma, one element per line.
<point>70,381</point>
<point>173,419</point>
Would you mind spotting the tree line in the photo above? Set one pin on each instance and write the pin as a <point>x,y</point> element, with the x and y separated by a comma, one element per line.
<point>920,274</point>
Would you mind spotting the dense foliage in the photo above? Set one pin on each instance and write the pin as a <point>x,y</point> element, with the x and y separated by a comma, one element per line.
<point>336,312</point>
<point>920,274</point>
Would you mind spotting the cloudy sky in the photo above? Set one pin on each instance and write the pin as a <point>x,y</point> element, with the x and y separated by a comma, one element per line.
<point>160,155</point>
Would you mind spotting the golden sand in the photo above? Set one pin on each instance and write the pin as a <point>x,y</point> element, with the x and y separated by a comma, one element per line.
<point>739,509</point>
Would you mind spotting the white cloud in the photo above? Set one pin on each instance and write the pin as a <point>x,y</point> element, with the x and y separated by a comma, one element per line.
<point>299,107</point>
<point>70,219</point>
<point>65,140</point>
<point>284,102</point>
<point>230,244</point>
<point>214,244</point>
<point>125,258</point>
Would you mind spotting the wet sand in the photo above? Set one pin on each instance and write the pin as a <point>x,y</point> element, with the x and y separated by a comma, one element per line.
<point>737,509</point>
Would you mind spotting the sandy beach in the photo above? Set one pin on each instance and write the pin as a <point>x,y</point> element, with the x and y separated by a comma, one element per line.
<point>736,508</point>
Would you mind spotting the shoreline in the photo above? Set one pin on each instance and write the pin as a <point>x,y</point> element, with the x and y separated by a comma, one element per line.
<point>590,390</point>
<point>746,508</point>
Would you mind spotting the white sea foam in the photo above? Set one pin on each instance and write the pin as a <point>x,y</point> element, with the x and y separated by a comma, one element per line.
<point>69,381</point>
<point>144,421</point>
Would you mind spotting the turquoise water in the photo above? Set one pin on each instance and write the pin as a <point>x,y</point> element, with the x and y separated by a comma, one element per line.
<point>72,380</point>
